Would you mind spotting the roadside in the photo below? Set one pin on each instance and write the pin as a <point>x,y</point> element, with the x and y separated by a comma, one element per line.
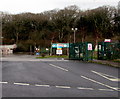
<point>107,62</point>
<point>114,63</point>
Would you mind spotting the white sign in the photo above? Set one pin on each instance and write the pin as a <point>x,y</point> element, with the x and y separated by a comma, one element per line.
<point>58,51</point>
<point>89,46</point>
<point>47,49</point>
<point>107,40</point>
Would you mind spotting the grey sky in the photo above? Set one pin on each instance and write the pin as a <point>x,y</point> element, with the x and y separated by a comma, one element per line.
<point>37,6</point>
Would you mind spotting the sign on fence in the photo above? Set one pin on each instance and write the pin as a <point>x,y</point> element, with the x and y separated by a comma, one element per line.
<point>90,46</point>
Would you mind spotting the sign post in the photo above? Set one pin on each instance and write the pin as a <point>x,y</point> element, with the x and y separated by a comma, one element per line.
<point>59,49</point>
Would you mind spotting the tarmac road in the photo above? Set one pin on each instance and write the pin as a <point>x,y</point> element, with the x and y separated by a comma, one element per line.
<point>25,76</point>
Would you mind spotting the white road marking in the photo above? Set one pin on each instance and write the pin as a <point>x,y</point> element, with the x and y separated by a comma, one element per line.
<point>116,87</point>
<point>115,80</point>
<point>3,82</point>
<point>62,86</point>
<point>42,85</point>
<point>109,77</point>
<point>58,67</point>
<point>24,84</point>
<point>85,88</point>
<point>67,87</point>
<point>100,83</point>
<point>106,89</point>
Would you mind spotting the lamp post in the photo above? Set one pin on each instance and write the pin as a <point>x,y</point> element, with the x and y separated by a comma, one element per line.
<point>74,29</point>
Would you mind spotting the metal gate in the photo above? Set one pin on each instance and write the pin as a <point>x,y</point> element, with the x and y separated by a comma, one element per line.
<point>108,50</point>
<point>81,51</point>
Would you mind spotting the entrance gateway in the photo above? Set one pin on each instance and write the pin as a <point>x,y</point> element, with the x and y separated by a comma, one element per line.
<point>60,48</point>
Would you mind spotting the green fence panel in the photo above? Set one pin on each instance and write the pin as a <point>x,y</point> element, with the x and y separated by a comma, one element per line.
<point>81,51</point>
<point>108,50</point>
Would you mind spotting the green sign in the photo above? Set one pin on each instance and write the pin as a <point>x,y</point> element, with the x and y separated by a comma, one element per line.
<point>60,45</point>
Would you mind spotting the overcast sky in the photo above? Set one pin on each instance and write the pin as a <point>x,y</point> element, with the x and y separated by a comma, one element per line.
<point>37,6</point>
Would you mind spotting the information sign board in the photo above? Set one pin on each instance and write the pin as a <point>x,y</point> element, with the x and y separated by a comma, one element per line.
<point>59,52</point>
<point>62,45</point>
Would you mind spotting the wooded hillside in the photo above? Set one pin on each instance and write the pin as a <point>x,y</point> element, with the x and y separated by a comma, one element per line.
<point>29,29</point>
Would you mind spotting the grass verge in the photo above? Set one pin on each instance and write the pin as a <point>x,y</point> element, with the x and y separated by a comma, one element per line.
<point>53,56</point>
<point>108,64</point>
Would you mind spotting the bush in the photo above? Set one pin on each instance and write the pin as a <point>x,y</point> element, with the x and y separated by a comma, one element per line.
<point>43,55</point>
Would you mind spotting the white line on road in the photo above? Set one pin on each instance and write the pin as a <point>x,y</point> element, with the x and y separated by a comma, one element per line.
<point>67,87</point>
<point>109,77</point>
<point>106,89</point>
<point>117,80</point>
<point>24,84</point>
<point>116,87</point>
<point>3,82</point>
<point>99,83</point>
<point>85,88</point>
<point>58,67</point>
<point>62,87</point>
<point>42,85</point>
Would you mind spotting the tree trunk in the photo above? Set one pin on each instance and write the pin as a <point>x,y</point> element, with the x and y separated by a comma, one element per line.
<point>17,37</point>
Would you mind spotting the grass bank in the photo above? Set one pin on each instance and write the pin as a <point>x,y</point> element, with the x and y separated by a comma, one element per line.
<point>53,56</point>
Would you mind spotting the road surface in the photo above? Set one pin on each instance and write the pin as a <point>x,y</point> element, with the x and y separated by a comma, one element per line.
<point>25,76</point>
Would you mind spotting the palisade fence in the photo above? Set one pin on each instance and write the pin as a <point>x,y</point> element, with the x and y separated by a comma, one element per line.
<point>108,51</point>
<point>84,51</point>
<point>81,51</point>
